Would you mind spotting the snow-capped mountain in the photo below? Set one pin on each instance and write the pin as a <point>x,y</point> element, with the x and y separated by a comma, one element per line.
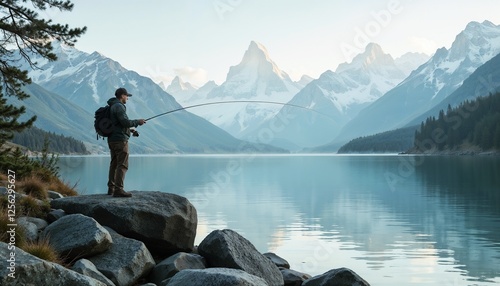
<point>304,80</point>
<point>338,96</point>
<point>483,81</point>
<point>201,93</point>
<point>182,91</point>
<point>410,61</point>
<point>256,77</point>
<point>89,80</point>
<point>429,84</point>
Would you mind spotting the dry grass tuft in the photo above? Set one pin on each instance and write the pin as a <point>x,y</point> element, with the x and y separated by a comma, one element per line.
<point>43,250</point>
<point>32,207</point>
<point>63,188</point>
<point>19,236</point>
<point>34,187</point>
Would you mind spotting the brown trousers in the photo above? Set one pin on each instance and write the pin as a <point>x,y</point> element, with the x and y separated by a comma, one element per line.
<point>118,165</point>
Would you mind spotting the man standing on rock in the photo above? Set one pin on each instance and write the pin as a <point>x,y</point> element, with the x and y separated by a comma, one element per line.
<point>118,142</point>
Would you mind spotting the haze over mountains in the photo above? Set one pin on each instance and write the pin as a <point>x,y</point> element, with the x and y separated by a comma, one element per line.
<point>338,96</point>
<point>429,84</point>
<point>256,77</point>
<point>371,94</point>
<point>85,82</point>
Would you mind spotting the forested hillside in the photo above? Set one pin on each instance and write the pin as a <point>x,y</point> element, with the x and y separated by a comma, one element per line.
<point>472,124</point>
<point>33,139</point>
<point>394,141</point>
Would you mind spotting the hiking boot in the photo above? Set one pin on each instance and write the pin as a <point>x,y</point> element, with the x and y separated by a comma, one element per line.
<point>122,194</point>
<point>110,191</point>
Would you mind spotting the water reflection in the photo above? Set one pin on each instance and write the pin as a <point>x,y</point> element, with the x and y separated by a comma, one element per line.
<point>434,219</point>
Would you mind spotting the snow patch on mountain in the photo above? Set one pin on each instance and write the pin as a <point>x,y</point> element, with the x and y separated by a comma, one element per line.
<point>430,84</point>
<point>410,61</point>
<point>182,91</point>
<point>338,96</point>
<point>255,78</point>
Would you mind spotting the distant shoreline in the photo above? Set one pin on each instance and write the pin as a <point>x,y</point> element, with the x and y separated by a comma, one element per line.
<point>465,152</point>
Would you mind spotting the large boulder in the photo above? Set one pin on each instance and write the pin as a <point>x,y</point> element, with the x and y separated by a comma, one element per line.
<point>165,222</point>
<point>216,277</point>
<point>175,263</point>
<point>226,248</point>
<point>76,236</point>
<point>277,260</point>
<point>293,278</point>
<point>31,270</point>
<point>337,277</point>
<point>87,268</point>
<point>125,262</point>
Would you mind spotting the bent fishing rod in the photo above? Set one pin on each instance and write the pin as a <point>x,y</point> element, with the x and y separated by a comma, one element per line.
<point>232,102</point>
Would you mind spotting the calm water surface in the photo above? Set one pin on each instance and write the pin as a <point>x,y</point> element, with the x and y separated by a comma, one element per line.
<point>395,220</point>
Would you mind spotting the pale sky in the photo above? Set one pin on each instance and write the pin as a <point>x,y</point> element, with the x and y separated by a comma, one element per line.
<point>200,39</point>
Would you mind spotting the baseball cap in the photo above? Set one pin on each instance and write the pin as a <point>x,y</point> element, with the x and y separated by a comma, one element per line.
<point>122,91</point>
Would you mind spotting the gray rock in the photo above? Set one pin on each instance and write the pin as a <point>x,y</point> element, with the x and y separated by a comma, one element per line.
<point>226,248</point>
<point>165,282</point>
<point>278,261</point>
<point>29,228</point>
<point>76,236</point>
<point>55,215</point>
<point>125,262</point>
<point>149,284</point>
<point>175,263</point>
<point>31,270</point>
<point>293,278</point>
<point>216,277</point>
<point>41,224</point>
<point>339,276</point>
<point>87,268</point>
<point>165,222</point>
<point>54,195</point>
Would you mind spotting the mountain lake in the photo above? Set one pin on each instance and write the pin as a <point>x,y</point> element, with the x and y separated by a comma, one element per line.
<point>394,220</point>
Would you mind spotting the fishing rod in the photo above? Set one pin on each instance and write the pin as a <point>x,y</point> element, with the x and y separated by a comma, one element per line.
<point>234,101</point>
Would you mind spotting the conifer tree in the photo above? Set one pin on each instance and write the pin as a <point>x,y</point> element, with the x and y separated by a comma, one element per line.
<point>24,33</point>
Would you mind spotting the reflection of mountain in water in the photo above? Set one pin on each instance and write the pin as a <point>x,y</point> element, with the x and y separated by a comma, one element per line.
<point>445,207</point>
<point>376,209</point>
<point>468,192</point>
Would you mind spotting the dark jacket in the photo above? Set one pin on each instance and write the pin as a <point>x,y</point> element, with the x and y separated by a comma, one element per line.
<point>120,121</point>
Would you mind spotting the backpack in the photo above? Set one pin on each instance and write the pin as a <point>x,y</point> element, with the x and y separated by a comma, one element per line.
<point>102,123</point>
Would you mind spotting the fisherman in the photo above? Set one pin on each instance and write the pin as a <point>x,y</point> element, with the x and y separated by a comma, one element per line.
<point>118,142</point>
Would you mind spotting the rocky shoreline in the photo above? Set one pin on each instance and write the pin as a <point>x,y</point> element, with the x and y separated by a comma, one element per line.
<point>147,240</point>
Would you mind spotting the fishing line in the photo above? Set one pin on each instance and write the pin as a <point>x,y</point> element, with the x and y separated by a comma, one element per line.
<point>232,102</point>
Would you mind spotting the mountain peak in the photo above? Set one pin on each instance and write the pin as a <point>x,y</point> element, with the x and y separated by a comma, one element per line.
<point>374,48</point>
<point>256,53</point>
<point>257,46</point>
<point>371,59</point>
<point>257,61</point>
<point>474,26</point>
<point>373,52</point>
<point>488,24</point>
<point>476,39</point>
<point>64,51</point>
<point>177,85</point>
<point>475,29</point>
